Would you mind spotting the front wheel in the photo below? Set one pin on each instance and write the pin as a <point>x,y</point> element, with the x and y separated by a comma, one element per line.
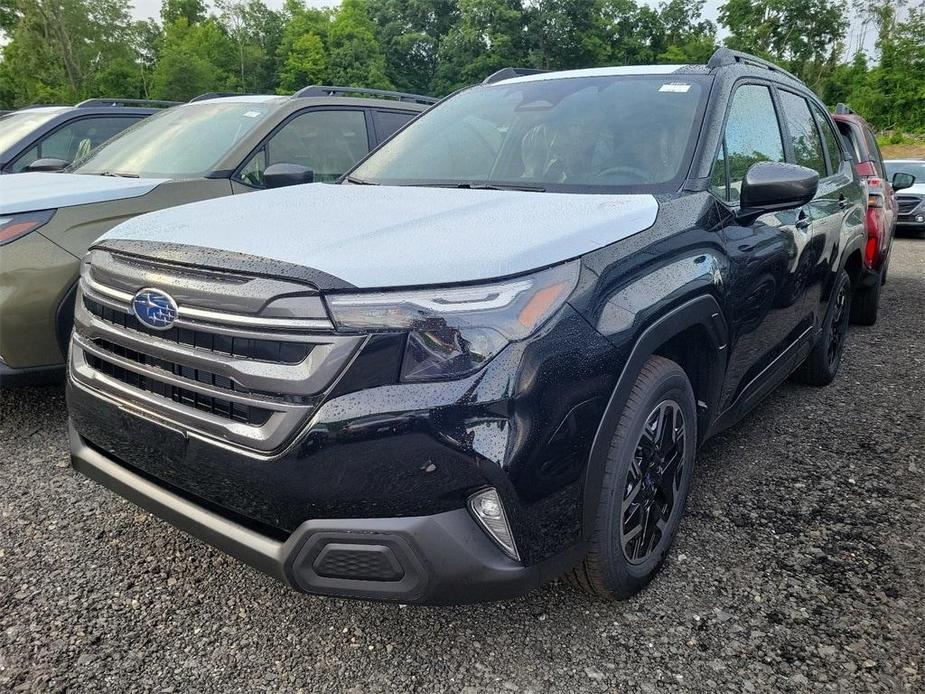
<point>821,366</point>
<point>647,477</point>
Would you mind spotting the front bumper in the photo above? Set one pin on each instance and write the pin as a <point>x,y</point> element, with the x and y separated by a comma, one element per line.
<point>437,559</point>
<point>33,375</point>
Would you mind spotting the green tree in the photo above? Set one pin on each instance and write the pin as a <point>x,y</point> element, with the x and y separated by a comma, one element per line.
<point>489,35</point>
<point>194,59</point>
<point>410,33</point>
<point>355,57</point>
<point>57,49</point>
<point>193,11</point>
<point>807,35</point>
<point>306,63</point>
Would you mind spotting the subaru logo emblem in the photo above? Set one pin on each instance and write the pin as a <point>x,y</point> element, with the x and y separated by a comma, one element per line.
<point>155,309</point>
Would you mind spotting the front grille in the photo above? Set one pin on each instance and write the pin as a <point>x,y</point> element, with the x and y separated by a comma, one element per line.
<point>238,346</point>
<point>907,203</point>
<point>188,372</point>
<point>247,380</point>
<point>247,414</point>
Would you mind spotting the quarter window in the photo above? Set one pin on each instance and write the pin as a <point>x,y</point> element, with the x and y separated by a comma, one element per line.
<point>387,122</point>
<point>804,136</point>
<point>752,135</point>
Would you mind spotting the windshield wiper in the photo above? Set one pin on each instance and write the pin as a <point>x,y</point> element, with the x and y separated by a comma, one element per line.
<point>118,174</point>
<point>502,186</point>
<point>472,185</point>
<point>360,181</point>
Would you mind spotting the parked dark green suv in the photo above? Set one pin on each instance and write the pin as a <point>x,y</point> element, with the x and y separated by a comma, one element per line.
<point>204,149</point>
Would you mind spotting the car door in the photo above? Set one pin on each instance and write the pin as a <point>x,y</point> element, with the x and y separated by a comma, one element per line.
<point>834,201</point>
<point>74,139</point>
<point>767,318</point>
<point>329,141</point>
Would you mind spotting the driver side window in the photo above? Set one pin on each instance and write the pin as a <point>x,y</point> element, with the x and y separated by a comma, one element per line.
<point>752,134</point>
<point>327,142</point>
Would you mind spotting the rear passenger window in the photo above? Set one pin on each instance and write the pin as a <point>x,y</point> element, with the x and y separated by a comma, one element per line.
<point>387,122</point>
<point>752,135</point>
<point>804,136</point>
<point>832,142</point>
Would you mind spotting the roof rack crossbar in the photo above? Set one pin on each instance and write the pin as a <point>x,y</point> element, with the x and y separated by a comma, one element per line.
<point>125,102</point>
<point>326,90</point>
<point>507,73</point>
<point>726,56</point>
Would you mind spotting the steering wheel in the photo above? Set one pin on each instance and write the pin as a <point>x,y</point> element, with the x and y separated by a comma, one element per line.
<point>640,174</point>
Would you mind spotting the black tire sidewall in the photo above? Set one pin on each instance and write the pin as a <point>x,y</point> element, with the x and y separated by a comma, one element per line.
<point>843,281</point>
<point>620,575</point>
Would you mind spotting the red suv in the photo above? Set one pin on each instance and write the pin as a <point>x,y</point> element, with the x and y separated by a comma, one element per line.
<point>882,209</point>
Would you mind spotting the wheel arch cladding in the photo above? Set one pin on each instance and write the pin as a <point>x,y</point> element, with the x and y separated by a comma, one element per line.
<point>695,335</point>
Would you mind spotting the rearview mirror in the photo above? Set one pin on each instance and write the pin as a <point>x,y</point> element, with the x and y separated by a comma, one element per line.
<point>901,180</point>
<point>770,186</point>
<point>280,175</point>
<point>47,164</point>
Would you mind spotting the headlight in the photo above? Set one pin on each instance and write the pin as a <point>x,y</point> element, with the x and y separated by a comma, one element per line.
<point>455,331</point>
<point>14,226</point>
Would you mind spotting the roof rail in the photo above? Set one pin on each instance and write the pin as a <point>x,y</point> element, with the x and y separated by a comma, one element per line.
<point>507,73</point>
<point>726,56</point>
<point>325,90</point>
<point>843,108</point>
<point>215,95</point>
<point>125,102</point>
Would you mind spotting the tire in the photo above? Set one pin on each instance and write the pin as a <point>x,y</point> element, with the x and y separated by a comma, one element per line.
<point>662,393</point>
<point>821,366</point>
<point>865,303</point>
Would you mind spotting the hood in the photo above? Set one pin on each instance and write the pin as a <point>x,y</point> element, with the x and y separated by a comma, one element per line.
<point>387,236</point>
<point>27,192</point>
<point>915,189</point>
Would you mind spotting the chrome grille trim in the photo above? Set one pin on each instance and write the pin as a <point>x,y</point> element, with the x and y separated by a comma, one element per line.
<point>195,386</point>
<point>134,380</point>
<point>308,377</point>
<point>189,314</point>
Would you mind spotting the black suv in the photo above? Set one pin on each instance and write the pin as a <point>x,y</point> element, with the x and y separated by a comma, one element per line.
<point>488,358</point>
<point>62,134</point>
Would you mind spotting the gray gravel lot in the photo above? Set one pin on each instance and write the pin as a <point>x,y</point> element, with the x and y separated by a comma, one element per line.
<point>799,567</point>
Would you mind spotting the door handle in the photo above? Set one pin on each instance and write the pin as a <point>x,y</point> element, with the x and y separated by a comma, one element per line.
<point>802,222</point>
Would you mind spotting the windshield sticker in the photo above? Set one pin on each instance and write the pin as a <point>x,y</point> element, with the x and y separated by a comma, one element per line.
<point>675,87</point>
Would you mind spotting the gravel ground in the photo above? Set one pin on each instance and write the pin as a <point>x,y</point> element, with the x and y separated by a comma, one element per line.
<point>799,567</point>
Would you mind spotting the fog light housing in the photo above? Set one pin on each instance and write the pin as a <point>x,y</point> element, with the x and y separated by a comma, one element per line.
<point>486,508</point>
<point>920,218</point>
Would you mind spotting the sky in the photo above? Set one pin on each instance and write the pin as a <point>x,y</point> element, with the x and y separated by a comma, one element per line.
<point>151,8</point>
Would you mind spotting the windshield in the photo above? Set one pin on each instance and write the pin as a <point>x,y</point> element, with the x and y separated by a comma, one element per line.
<point>15,126</point>
<point>181,142</point>
<point>582,134</point>
<point>915,168</point>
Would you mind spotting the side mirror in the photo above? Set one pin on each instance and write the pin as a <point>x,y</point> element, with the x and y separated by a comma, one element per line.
<point>47,164</point>
<point>901,180</point>
<point>770,186</point>
<point>280,175</point>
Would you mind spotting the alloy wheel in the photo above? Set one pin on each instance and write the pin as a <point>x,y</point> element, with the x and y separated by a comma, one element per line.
<point>653,482</point>
<point>839,327</point>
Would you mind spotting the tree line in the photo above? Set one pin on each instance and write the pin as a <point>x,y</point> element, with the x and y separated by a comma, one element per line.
<point>61,51</point>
